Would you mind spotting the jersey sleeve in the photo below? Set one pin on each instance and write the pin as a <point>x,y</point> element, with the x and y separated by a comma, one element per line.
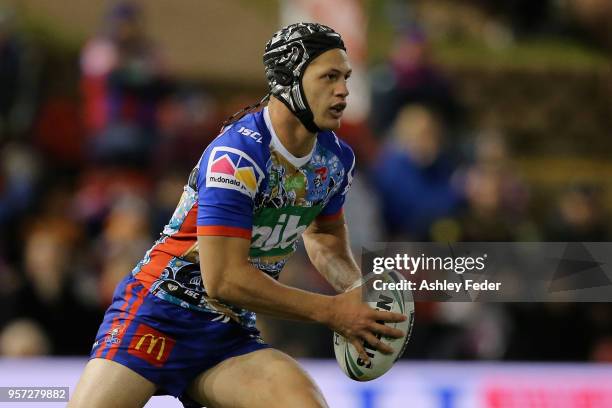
<point>333,209</point>
<point>230,174</point>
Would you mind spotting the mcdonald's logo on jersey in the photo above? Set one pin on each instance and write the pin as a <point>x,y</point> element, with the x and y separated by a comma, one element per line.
<point>151,345</point>
<point>233,169</point>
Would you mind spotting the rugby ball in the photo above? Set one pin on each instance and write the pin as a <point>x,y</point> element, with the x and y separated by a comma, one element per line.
<point>389,300</point>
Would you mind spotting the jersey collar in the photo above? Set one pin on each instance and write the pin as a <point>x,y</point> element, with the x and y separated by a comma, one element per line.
<point>278,146</point>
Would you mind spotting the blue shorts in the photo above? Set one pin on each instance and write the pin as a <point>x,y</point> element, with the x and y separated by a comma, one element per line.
<point>165,343</point>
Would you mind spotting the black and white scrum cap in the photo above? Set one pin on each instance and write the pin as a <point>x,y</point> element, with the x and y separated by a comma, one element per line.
<point>286,57</point>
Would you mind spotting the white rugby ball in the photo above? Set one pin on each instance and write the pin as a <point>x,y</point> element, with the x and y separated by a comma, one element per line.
<point>397,301</point>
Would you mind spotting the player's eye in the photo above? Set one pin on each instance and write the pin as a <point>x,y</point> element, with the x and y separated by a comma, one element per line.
<point>331,76</point>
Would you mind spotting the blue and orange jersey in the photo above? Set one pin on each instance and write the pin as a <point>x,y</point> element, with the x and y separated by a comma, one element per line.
<point>246,184</point>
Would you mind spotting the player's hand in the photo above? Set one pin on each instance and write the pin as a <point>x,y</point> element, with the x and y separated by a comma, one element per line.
<point>359,323</point>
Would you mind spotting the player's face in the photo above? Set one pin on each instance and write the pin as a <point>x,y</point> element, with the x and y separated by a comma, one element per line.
<point>326,89</point>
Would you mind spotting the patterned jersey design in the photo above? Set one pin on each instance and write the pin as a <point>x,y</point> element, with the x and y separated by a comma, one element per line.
<point>246,185</point>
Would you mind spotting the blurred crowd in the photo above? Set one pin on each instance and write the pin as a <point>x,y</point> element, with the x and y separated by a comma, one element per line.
<point>87,184</point>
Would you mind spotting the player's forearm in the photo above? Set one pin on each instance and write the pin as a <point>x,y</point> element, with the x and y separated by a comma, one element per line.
<point>250,288</point>
<point>331,255</point>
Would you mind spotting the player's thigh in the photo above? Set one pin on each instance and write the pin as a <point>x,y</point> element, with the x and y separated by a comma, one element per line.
<point>105,383</point>
<point>265,378</point>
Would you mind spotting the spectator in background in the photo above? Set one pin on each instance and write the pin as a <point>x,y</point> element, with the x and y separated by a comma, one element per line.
<point>126,236</point>
<point>17,79</point>
<point>23,338</point>
<point>170,185</point>
<point>492,152</point>
<point>49,295</point>
<point>410,77</point>
<point>123,83</point>
<point>188,120</point>
<point>525,17</point>
<point>496,196</point>
<point>413,175</point>
<point>98,190</point>
<point>484,218</point>
<point>19,182</point>
<point>595,16</point>
<point>19,170</point>
<point>579,216</point>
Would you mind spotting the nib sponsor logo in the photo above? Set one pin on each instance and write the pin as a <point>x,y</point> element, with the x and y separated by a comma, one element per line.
<point>233,169</point>
<point>284,233</point>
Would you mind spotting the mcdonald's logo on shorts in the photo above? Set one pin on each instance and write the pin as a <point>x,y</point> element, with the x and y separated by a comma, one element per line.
<point>151,345</point>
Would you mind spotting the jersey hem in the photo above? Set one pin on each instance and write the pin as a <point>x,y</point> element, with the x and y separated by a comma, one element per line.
<point>330,217</point>
<point>223,231</point>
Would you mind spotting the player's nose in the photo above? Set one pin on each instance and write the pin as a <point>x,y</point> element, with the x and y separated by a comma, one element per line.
<point>341,89</point>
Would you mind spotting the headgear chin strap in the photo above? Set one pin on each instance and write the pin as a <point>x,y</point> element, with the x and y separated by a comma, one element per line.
<point>286,57</point>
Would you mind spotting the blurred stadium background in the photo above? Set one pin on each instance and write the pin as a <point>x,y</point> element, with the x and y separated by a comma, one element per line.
<point>472,120</point>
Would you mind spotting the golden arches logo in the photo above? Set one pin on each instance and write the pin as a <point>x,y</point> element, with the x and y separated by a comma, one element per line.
<point>152,343</point>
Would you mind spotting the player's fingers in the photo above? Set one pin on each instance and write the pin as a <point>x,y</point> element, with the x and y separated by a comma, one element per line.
<point>388,316</point>
<point>386,330</point>
<point>377,344</point>
<point>361,350</point>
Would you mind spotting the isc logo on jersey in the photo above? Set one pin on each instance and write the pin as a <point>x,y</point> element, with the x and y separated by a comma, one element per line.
<point>233,169</point>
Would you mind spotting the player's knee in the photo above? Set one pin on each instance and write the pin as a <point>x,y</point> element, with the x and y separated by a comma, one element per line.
<point>289,386</point>
<point>303,396</point>
<point>299,391</point>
